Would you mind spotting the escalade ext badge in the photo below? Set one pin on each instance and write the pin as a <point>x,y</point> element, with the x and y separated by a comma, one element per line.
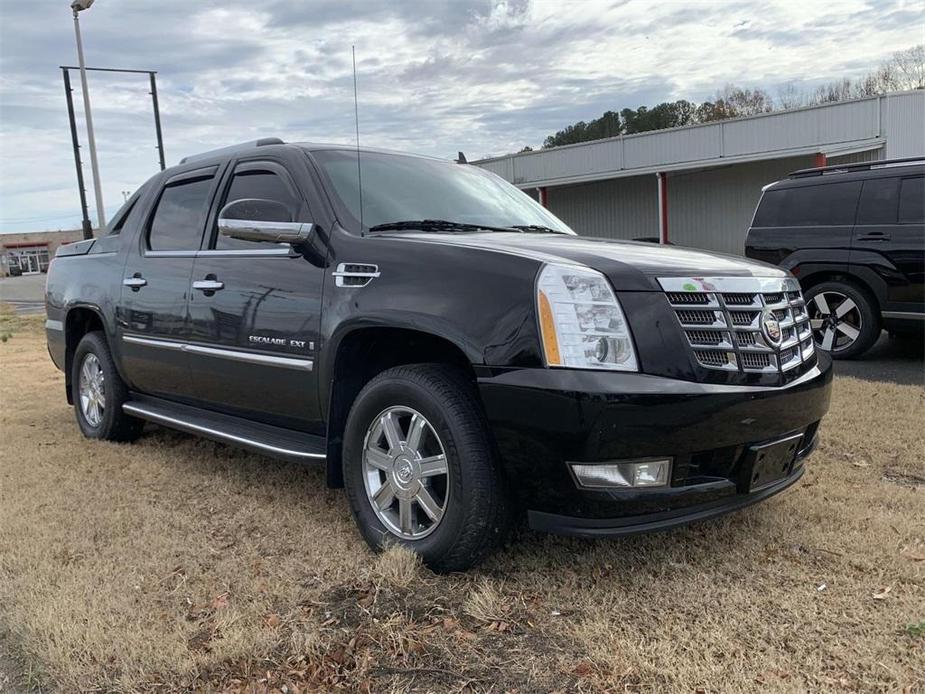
<point>432,402</point>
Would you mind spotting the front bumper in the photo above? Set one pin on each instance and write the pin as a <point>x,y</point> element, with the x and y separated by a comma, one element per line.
<point>542,418</point>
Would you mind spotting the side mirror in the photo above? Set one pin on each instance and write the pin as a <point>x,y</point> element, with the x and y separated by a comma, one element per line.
<point>252,219</point>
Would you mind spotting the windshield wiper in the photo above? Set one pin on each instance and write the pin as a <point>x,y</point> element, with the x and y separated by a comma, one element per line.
<point>436,225</point>
<point>536,227</point>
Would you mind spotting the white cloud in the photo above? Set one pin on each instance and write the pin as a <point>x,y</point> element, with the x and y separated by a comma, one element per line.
<point>434,76</point>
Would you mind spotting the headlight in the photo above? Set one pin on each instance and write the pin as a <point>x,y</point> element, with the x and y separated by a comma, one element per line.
<point>581,321</point>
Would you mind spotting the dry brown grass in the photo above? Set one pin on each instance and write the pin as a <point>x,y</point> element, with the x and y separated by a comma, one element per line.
<point>176,563</point>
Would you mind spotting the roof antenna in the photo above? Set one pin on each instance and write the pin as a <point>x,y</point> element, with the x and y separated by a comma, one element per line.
<point>461,159</point>
<point>356,118</point>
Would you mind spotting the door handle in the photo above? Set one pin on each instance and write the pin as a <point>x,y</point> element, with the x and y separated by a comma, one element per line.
<point>135,283</point>
<point>875,236</point>
<point>208,285</point>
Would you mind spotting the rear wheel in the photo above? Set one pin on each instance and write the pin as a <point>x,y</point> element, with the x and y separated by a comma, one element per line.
<point>842,318</point>
<point>98,393</point>
<point>419,467</point>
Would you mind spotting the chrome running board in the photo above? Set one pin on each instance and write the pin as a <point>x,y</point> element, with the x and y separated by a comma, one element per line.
<point>278,442</point>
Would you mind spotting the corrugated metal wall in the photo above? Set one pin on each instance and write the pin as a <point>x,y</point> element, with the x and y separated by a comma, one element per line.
<point>619,208</point>
<point>846,125</point>
<point>708,209</point>
<point>902,122</point>
<point>712,209</point>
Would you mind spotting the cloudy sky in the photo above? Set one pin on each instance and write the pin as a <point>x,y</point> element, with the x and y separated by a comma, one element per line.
<point>435,76</point>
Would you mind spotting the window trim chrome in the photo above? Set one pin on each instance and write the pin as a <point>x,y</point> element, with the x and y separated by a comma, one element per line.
<point>278,251</point>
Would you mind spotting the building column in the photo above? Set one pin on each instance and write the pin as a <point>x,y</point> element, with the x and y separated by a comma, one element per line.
<point>662,207</point>
<point>820,159</point>
<point>543,196</point>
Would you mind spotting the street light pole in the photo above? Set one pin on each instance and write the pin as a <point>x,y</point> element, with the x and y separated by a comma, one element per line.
<point>77,6</point>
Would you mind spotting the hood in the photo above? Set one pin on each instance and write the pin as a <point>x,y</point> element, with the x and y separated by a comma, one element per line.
<point>630,265</point>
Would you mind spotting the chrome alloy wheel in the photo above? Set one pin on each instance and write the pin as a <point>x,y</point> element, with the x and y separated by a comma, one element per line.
<point>835,320</point>
<point>405,473</point>
<point>92,388</point>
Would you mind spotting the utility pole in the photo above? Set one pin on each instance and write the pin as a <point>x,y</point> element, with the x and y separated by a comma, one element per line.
<point>86,226</point>
<point>78,6</point>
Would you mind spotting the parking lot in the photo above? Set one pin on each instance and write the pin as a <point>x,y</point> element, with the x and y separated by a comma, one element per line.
<point>24,294</point>
<point>180,563</point>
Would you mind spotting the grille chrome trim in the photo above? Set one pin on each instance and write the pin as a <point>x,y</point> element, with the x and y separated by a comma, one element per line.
<point>723,321</point>
<point>726,285</point>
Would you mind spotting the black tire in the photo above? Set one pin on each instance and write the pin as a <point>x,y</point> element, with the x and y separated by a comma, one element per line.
<point>114,424</point>
<point>864,318</point>
<point>476,517</point>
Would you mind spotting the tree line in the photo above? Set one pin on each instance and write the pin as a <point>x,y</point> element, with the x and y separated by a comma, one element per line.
<point>904,70</point>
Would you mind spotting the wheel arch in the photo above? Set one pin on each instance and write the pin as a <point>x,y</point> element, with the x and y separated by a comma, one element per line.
<point>867,285</point>
<point>79,320</point>
<point>360,355</point>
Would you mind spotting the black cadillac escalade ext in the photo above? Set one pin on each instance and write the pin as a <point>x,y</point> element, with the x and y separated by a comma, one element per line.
<point>450,351</point>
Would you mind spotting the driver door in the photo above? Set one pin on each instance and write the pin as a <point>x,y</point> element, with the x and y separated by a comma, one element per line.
<point>255,312</point>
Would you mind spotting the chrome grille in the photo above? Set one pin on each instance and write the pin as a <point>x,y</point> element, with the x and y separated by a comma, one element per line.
<point>698,317</point>
<point>722,320</point>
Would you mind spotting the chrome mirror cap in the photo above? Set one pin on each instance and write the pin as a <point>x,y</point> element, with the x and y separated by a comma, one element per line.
<point>256,219</point>
<point>271,232</point>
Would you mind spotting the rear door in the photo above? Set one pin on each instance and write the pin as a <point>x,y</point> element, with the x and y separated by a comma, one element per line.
<point>890,238</point>
<point>153,321</point>
<point>254,338</point>
<point>801,227</point>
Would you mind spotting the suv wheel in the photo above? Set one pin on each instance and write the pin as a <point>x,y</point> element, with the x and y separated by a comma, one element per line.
<point>842,319</point>
<point>98,393</point>
<point>419,467</point>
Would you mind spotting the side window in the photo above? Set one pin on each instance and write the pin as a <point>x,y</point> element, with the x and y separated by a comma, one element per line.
<point>265,184</point>
<point>912,200</point>
<point>828,204</point>
<point>769,209</point>
<point>878,201</point>
<point>115,226</point>
<point>180,216</point>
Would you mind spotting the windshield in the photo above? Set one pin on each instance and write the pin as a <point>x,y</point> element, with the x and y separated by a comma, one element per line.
<point>399,188</point>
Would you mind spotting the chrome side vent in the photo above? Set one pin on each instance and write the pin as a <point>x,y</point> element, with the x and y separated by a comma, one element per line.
<point>355,274</point>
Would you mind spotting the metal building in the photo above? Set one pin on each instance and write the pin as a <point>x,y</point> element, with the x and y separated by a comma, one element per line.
<point>698,185</point>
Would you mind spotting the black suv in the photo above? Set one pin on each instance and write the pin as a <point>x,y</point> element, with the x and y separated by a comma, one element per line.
<point>445,347</point>
<point>854,236</point>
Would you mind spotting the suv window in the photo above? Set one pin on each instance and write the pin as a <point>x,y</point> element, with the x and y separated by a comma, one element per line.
<point>180,216</point>
<point>878,201</point>
<point>115,226</point>
<point>256,183</point>
<point>912,201</point>
<point>829,204</point>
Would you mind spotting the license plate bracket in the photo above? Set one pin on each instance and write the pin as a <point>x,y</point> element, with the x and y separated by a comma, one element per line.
<point>768,463</point>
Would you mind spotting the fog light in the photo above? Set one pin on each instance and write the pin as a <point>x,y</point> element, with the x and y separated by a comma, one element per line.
<point>652,472</point>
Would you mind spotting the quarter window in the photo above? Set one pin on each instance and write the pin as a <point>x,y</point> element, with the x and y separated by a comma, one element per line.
<point>262,184</point>
<point>827,204</point>
<point>878,201</point>
<point>831,204</point>
<point>180,216</point>
<point>912,201</point>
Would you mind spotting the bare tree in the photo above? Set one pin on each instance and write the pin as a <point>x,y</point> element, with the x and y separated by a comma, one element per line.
<point>907,68</point>
<point>789,97</point>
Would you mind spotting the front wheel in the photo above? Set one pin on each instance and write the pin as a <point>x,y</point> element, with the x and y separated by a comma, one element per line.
<point>419,467</point>
<point>842,318</point>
